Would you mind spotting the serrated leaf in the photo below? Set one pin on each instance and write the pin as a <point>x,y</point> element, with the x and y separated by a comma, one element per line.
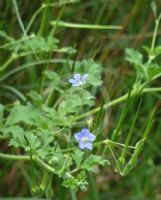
<point>13,130</point>
<point>94,70</point>
<point>92,160</point>
<point>70,183</point>
<point>78,157</point>
<point>18,141</point>
<point>24,114</point>
<point>54,77</point>
<point>153,70</point>
<point>33,142</point>
<point>153,53</point>
<point>51,75</point>
<point>91,68</point>
<point>134,57</point>
<point>38,43</point>
<point>74,102</point>
<point>45,137</point>
<point>75,183</point>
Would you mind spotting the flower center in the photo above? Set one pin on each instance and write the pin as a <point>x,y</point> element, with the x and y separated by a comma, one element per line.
<point>84,139</point>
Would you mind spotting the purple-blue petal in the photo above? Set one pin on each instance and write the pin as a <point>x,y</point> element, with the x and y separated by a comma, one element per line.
<point>91,137</point>
<point>85,131</point>
<point>85,145</point>
<point>78,136</point>
<point>75,84</point>
<point>77,77</point>
<point>72,81</point>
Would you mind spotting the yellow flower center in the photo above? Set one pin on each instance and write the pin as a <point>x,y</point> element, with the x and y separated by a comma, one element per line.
<point>84,139</point>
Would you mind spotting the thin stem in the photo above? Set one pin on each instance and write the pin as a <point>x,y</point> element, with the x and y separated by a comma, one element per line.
<point>155,32</point>
<point>84,26</point>
<point>27,158</point>
<point>115,159</point>
<point>14,157</point>
<point>22,26</point>
<point>119,100</point>
<point>112,142</point>
<point>43,6</point>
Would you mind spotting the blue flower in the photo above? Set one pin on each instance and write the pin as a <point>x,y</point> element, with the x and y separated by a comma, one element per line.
<point>85,139</point>
<point>78,80</point>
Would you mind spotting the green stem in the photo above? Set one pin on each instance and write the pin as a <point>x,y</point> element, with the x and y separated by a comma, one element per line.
<point>43,6</point>
<point>14,157</point>
<point>27,158</point>
<point>84,26</point>
<point>22,26</point>
<point>155,32</point>
<point>119,100</point>
<point>73,195</point>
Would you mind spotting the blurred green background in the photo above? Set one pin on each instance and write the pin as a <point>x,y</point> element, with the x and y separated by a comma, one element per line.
<point>106,47</point>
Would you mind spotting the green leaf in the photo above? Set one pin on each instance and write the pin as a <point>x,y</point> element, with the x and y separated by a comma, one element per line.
<point>136,59</point>
<point>91,68</point>
<point>35,98</point>
<point>70,182</point>
<point>78,157</point>
<point>75,183</point>
<point>94,71</point>
<point>92,160</point>
<point>33,142</point>
<point>153,70</point>
<point>21,113</point>
<point>18,141</point>
<point>82,180</point>
<point>75,101</point>
<point>53,76</point>
<point>38,43</point>
<point>45,137</point>
<point>152,53</point>
<point>13,130</point>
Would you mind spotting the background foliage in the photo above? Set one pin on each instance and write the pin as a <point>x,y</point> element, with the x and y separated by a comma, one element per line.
<point>22,72</point>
